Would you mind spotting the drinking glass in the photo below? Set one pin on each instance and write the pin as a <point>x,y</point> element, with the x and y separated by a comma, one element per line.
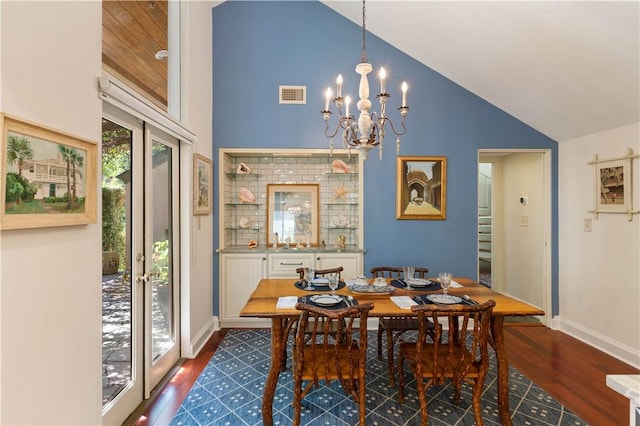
<point>445,281</point>
<point>334,280</point>
<point>309,275</point>
<point>408,272</point>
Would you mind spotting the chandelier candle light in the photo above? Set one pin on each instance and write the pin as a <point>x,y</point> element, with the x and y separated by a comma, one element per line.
<point>369,130</point>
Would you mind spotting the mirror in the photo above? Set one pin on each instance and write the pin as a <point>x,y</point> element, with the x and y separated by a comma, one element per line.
<point>292,214</point>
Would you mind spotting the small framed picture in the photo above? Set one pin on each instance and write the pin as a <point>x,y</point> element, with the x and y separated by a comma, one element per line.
<point>421,188</point>
<point>202,185</point>
<point>48,177</point>
<point>612,185</point>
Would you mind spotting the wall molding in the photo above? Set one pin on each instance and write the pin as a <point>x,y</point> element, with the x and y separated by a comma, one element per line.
<point>599,341</point>
<point>202,337</point>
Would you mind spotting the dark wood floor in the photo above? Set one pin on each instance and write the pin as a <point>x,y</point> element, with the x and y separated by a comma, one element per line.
<point>569,370</point>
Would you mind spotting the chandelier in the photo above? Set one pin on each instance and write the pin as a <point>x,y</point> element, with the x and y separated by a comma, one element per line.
<point>368,131</point>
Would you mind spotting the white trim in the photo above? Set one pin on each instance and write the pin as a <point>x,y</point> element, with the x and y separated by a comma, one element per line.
<point>121,96</point>
<point>202,337</point>
<point>599,341</point>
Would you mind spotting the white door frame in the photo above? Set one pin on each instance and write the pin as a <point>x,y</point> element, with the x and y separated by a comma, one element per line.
<point>118,95</point>
<point>498,256</point>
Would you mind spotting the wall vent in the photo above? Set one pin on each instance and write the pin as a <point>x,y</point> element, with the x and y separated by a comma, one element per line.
<point>293,94</point>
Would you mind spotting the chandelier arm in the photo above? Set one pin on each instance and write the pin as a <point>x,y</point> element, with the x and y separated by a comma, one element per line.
<point>383,120</point>
<point>326,130</point>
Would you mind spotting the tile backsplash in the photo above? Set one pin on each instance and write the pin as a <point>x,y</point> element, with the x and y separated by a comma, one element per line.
<point>339,196</point>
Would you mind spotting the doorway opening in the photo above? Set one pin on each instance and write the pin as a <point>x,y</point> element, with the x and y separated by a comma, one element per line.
<point>485,171</point>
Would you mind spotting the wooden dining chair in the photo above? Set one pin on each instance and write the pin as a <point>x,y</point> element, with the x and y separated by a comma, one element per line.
<point>318,273</point>
<point>323,357</point>
<point>394,327</point>
<point>462,356</point>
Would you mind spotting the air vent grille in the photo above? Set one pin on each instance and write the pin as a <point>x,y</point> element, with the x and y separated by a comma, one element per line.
<point>293,94</point>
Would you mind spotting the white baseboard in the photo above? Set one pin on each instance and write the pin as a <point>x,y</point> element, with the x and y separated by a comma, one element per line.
<point>599,341</point>
<point>202,337</point>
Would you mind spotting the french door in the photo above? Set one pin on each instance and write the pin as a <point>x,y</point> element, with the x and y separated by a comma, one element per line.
<point>140,299</point>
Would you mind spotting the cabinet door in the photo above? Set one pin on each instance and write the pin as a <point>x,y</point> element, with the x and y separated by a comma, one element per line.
<point>284,265</point>
<point>239,277</point>
<point>351,262</point>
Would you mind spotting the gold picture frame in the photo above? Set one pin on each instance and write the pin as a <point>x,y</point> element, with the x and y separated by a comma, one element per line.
<point>49,178</point>
<point>293,213</point>
<point>202,185</point>
<point>421,188</point>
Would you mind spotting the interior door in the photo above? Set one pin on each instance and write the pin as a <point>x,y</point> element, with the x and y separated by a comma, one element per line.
<point>140,299</point>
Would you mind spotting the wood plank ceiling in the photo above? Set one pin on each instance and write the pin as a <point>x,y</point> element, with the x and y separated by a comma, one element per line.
<point>132,33</point>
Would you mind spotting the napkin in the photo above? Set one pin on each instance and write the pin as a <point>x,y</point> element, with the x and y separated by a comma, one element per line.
<point>287,302</point>
<point>455,284</point>
<point>403,302</point>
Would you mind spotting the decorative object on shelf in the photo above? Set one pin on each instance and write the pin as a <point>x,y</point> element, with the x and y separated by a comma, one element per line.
<point>339,166</point>
<point>293,211</point>
<point>252,244</point>
<point>202,185</point>
<point>246,197</point>
<point>276,240</point>
<point>323,244</point>
<point>421,188</point>
<point>341,193</point>
<point>342,241</point>
<point>369,129</point>
<point>243,169</point>
<point>244,222</point>
<point>48,178</point>
<point>339,221</point>
<point>613,185</point>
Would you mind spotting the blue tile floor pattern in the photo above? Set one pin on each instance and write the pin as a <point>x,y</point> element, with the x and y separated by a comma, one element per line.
<point>229,392</point>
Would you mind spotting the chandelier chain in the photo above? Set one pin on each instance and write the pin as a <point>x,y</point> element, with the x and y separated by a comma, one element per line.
<point>363,59</point>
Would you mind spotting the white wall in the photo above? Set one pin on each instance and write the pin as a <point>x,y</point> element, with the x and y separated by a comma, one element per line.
<point>523,175</point>
<point>599,276</point>
<point>198,82</point>
<point>50,293</point>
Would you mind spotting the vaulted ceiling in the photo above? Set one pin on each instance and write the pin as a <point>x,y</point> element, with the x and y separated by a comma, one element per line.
<point>566,68</point>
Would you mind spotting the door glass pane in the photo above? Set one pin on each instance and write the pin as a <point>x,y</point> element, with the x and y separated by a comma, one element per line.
<point>116,260</point>
<point>162,259</point>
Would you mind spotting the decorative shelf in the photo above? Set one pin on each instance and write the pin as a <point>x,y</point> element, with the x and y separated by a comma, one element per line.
<point>242,204</point>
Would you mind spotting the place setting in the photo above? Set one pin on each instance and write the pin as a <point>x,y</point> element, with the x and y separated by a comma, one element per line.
<point>329,301</point>
<point>444,298</point>
<point>410,282</point>
<point>312,283</point>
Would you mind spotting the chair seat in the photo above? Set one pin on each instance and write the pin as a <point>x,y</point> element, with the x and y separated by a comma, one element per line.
<point>324,365</point>
<point>445,359</point>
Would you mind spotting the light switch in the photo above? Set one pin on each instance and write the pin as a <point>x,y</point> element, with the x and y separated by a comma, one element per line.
<point>524,220</point>
<point>587,224</point>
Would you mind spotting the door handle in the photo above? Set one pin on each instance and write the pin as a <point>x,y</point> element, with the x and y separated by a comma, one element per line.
<point>142,278</point>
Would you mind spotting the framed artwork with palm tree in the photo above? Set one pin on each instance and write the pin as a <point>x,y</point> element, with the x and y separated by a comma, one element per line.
<point>48,178</point>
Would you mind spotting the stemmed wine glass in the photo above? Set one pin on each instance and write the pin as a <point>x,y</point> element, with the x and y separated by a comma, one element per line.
<point>309,275</point>
<point>408,272</point>
<point>334,279</point>
<point>445,281</point>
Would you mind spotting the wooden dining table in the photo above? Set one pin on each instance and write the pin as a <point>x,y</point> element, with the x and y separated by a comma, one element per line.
<point>262,304</point>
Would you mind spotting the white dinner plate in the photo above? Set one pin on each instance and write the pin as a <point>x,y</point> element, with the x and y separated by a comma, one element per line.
<point>326,299</point>
<point>419,282</point>
<point>444,299</point>
<point>320,282</point>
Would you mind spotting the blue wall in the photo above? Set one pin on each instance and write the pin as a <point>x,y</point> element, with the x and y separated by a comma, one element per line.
<point>259,45</point>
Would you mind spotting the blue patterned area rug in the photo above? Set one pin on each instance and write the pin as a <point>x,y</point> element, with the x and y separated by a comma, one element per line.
<point>229,392</point>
